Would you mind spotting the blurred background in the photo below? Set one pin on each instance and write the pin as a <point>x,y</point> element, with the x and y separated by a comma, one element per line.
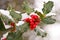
<point>16,4</point>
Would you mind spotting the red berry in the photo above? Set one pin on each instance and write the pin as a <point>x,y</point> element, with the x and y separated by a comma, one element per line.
<point>36,23</point>
<point>34,16</point>
<point>31,27</point>
<point>12,24</point>
<point>38,20</point>
<point>4,39</point>
<point>31,23</point>
<point>27,19</point>
<point>31,20</point>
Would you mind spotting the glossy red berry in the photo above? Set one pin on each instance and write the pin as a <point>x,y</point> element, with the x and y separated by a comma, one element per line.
<point>34,16</point>
<point>31,27</point>
<point>31,23</point>
<point>12,24</point>
<point>4,39</point>
<point>36,23</point>
<point>27,19</point>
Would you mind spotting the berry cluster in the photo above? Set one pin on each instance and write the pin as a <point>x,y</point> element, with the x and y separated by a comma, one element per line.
<point>33,21</point>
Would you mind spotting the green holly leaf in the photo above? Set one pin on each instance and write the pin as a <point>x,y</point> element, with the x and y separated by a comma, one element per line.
<point>47,7</point>
<point>17,17</point>
<point>15,35</point>
<point>40,32</point>
<point>6,19</point>
<point>49,20</point>
<point>19,32</point>
<point>11,36</point>
<point>43,34</point>
<point>40,14</point>
<point>26,8</point>
<point>24,27</point>
<point>2,26</point>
